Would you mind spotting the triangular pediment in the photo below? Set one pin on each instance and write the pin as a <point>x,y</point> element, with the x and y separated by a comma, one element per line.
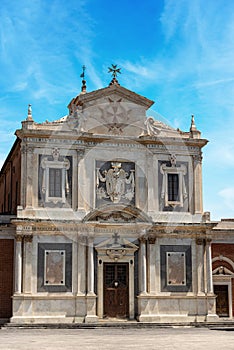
<point>114,110</point>
<point>116,242</point>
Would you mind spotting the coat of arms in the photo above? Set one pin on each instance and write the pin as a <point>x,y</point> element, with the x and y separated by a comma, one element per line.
<point>115,183</point>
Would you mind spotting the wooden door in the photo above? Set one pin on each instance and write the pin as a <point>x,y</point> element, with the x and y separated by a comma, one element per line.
<point>116,290</point>
<point>222,305</point>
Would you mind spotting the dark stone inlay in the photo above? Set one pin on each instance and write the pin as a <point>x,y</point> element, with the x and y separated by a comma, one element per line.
<point>41,286</point>
<point>187,287</point>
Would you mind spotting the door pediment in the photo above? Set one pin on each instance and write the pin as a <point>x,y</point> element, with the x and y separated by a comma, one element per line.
<point>116,247</point>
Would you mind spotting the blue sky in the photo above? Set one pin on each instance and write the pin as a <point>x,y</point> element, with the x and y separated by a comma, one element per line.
<point>179,53</point>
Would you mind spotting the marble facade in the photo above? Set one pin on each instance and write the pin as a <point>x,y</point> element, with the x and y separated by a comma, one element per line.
<point>110,219</point>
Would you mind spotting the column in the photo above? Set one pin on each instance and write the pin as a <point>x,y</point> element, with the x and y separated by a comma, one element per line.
<point>81,281</point>
<point>197,167</point>
<point>209,267</point>
<point>90,267</point>
<point>18,264</point>
<point>152,264</point>
<point>142,270</point>
<point>27,264</point>
<point>91,296</point>
<point>200,266</point>
<point>211,298</point>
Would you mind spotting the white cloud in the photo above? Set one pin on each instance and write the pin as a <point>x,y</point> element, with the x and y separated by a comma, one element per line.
<point>227,194</point>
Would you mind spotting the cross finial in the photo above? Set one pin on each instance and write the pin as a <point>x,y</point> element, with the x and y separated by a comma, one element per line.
<point>83,88</point>
<point>116,238</point>
<point>114,70</point>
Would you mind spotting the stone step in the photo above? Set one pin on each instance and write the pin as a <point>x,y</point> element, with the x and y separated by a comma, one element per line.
<point>229,325</point>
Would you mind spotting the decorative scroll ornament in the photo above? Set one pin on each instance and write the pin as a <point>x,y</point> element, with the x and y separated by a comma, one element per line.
<point>116,180</point>
<point>116,254</point>
<point>156,127</point>
<point>151,127</point>
<point>222,270</point>
<point>172,159</point>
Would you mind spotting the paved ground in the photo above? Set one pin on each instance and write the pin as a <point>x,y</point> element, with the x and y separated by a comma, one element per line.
<point>112,339</point>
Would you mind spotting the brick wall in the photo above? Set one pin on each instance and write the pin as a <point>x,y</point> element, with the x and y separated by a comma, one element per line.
<point>224,249</point>
<point>6,277</point>
<point>10,177</point>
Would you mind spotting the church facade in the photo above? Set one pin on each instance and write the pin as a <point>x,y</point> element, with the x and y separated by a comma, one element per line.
<point>102,219</point>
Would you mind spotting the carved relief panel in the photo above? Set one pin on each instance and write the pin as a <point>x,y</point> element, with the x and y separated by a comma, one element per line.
<point>115,183</point>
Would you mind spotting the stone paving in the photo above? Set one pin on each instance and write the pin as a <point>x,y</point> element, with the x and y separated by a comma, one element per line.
<point>121,339</point>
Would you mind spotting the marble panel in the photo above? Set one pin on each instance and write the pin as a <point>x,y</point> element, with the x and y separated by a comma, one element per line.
<point>54,270</point>
<point>54,267</point>
<point>176,268</point>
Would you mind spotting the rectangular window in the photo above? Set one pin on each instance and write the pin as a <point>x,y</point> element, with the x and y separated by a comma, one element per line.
<point>55,182</point>
<point>173,187</point>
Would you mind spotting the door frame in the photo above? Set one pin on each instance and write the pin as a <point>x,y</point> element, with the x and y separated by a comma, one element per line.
<point>225,281</point>
<point>121,256</point>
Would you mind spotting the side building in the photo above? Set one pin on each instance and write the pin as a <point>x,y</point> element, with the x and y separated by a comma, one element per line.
<point>102,218</point>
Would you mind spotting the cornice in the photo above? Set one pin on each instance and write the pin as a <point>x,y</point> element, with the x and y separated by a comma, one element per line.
<point>86,140</point>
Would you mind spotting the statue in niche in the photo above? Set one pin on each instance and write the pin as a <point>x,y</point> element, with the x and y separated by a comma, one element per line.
<point>116,179</point>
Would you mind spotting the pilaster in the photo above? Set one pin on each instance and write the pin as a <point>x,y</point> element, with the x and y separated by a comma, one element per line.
<point>81,268</point>
<point>18,264</point>
<point>142,266</point>
<point>200,266</point>
<point>27,264</point>
<point>29,177</point>
<point>151,264</point>
<point>91,296</point>
<point>197,168</point>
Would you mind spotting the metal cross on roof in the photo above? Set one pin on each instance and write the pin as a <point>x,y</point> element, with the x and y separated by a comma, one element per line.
<point>83,73</point>
<point>114,70</point>
<point>83,88</point>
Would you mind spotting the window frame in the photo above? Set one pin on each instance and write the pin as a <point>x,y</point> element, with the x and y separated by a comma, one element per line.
<point>56,164</point>
<point>181,172</point>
